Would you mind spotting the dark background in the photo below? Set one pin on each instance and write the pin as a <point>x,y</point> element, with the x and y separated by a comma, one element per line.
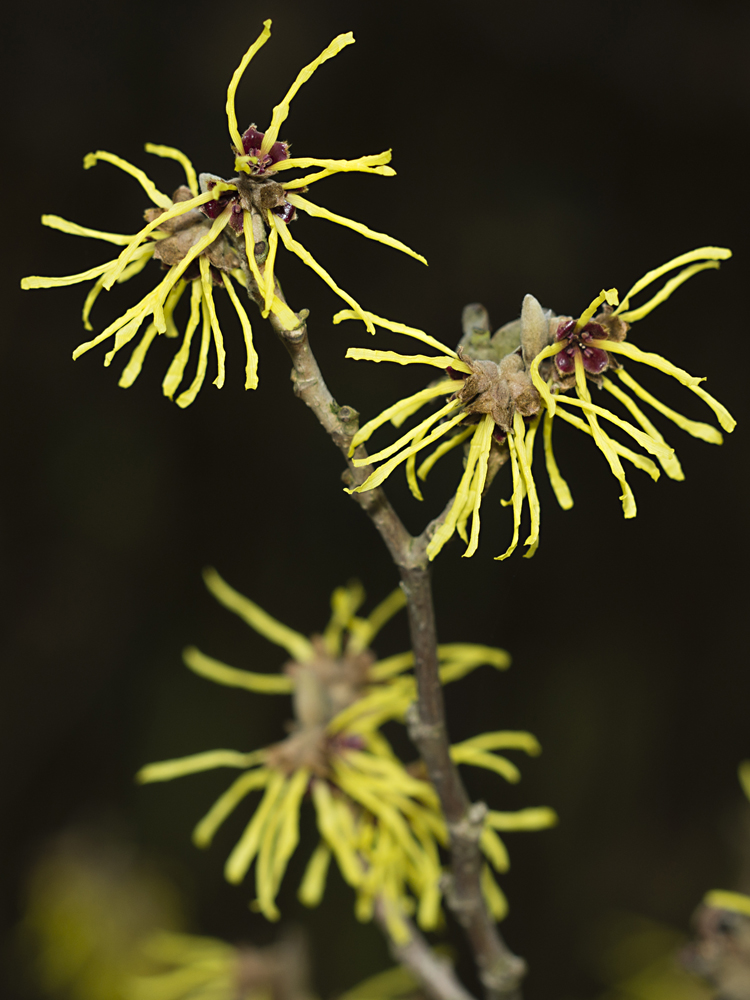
<point>553,148</point>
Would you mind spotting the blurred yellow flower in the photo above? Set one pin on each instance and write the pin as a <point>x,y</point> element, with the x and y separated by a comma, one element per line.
<point>379,819</point>
<point>501,387</point>
<point>215,233</point>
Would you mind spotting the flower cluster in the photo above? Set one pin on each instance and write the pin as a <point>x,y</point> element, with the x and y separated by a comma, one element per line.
<point>215,233</point>
<point>501,387</point>
<point>378,818</point>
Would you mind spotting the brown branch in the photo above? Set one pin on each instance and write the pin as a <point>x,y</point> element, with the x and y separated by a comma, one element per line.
<point>433,973</point>
<point>500,970</point>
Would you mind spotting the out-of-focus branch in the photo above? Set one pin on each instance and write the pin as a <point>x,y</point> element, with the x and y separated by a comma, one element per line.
<point>435,974</point>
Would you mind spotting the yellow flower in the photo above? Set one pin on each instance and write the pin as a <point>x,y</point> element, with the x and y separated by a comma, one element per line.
<point>378,819</point>
<point>510,381</point>
<point>215,233</point>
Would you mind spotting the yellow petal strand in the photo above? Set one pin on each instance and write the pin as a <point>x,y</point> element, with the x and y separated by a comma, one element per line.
<point>169,307</point>
<point>314,880</point>
<point>726,419</point>
<point>308,179</point>
<point>706,432</point>
<point>494,850</point>
<point>281,110</point>
<point>655,447</point>
<point>135,267</point>
<point>454,520</point>
<point>298,646</point>
<point>702,253</point>
<point>412,435</point>
<point>603,442</point>
<point>204,832</point>
<point>269,278</point>
<point>208,296</point>
<point>391,666</point>
<point>638,460</point>
<point>188,396</point>
<point>127,330</point>
<point>158,197</point>
<point>454,667</point>
<point>247,846</point>
<point>345,602</point>
<point>410,403</point>
<point>165,770</point>
<point>537,818</point>
<point>365,354</point>
<point>247,229</point>
<point>323,213</point>
<point>504,739</point>
<point>539,384</point>
<point>346,857</point>
<point>560,487</point>
<point>382,473</point>
<point>378,618</point>
<point>493,894</point>
<point>260,41</point>
<point>411,471</point>
<point>632,315</point>
<point>306,257</point>
<point>409,331</point>
<point>647,358</point>
<point>670,464</point>
<point>251,366</point>
<point>177,368</point>
<point>37,281</point>
<point>516,498</point>
<point>483,441</point>
<point>170,153</point>
<point>172,212</point>
<point>608,295</point>
<point>524,463</point>
<point>55,222</point>
<point>133,368</point>
<point>442,449</point>
<point>285,843</point>
<point>335,166</point>
<point>489,761</point>
<point>737,902</point>
<point>220,673</point>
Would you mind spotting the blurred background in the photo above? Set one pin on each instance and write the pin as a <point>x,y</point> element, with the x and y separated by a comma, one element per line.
<point>553,148</point>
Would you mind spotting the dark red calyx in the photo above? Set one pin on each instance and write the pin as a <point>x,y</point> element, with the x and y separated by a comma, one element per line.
<point>285,212</point>
<point>214,208</point>
<point>252,140</point>
<point>595,360</point>
<point>235,219</point>
<point>456,376</point>
<point>499,435</point>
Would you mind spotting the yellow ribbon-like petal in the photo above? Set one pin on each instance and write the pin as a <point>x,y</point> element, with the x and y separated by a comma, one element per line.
<point>260,41</point>
<point>281,110</point>
<point>157,196</point>
<point>170,153</point>
<point>298,646</point>
<point>323,213</point>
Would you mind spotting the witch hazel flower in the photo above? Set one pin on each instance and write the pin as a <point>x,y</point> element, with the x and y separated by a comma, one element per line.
<point>379,819</point>
<point>504,388</point>
<point>212,235</point>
